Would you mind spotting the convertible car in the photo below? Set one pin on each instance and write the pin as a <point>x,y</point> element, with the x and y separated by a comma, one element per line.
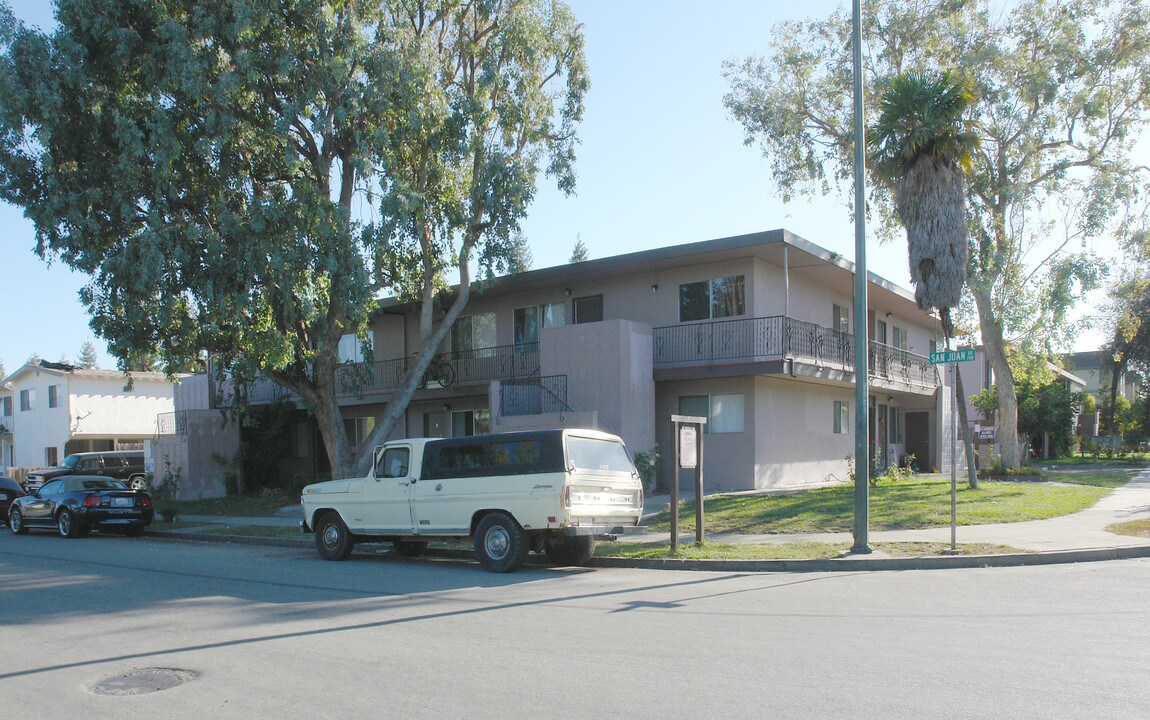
<point>75,504</point>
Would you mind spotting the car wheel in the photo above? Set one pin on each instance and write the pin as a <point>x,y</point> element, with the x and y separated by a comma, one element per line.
<point>16,522</point>
<point>575,550</point>
<point>332,538</point>
<point>499,543</point>
<point>137,483</point>
<point>409,548</point>
<point>67,525</point>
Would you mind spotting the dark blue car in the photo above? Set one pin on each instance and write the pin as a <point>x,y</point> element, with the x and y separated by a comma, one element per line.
<point>76,504</point>
<point>9,491</point>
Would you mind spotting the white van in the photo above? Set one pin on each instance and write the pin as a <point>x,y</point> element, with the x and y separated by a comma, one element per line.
<point>552,491</point>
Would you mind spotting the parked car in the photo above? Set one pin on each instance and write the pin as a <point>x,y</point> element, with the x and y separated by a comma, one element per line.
<point>76,504</point>
<point>9,491</point>
<point>127,465</point>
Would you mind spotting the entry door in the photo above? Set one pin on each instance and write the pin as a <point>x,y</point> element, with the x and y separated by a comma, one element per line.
<point>883,431</point>
<point>387,497</point>
<point>918,438</point>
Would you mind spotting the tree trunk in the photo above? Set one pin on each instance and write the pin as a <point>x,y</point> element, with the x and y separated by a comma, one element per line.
<point>967,441</point>
<point>995,347</point>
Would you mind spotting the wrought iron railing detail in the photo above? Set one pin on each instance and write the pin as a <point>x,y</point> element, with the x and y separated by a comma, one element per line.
<point>172,423</point>
<point>774,338</point>
<point>533,396</point>
<point>506,362</point>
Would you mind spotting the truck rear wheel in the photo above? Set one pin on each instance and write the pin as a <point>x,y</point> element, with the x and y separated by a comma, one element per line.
<point>499,543</point>
<point>570,550</point>
<point>332,538</point>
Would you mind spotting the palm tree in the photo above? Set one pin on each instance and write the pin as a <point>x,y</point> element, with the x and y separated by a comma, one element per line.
<point>921,148</point>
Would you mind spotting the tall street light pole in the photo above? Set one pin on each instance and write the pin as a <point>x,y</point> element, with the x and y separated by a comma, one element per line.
<point>862,370</point>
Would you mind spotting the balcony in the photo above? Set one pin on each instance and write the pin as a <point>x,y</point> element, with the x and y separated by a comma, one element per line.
<point>771,340</point>
<point>464,367</point>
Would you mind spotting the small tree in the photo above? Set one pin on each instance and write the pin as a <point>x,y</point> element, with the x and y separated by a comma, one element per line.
<point>579,252</point>
<point>88,358</point>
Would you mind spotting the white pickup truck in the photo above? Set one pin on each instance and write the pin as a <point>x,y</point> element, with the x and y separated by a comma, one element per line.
<point>552,491</point>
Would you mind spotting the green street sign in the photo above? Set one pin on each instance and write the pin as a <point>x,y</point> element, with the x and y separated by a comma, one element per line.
<point>949,356</point>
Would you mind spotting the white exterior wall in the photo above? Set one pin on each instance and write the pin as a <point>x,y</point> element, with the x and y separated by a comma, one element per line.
<point>91,405</point>
<point>794,424</point>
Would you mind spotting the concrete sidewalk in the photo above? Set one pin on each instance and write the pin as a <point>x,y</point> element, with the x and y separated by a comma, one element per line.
<point>1079,537</point>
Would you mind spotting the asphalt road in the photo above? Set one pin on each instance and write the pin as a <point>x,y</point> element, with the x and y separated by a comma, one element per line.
<point>270,632</point>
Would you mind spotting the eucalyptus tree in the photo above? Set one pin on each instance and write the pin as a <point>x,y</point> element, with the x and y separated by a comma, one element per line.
<point>244,178</point>
<point>1063,94</point>
<point>921,147</point>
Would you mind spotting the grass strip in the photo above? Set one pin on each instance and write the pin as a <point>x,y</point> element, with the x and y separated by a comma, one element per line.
<point>787,551</point>
<point>1135,528</point>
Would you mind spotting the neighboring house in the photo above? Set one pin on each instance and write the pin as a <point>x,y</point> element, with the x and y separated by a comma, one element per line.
<point>53,409</point>
<point>753,332</point>
<point>977,375</point>
<point>7,450</point>
<point>1089,366</point>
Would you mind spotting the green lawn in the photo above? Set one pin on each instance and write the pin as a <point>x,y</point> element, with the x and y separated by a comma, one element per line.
<point>251,505</point>
<point>916,503</point>
<point>1137,528</point>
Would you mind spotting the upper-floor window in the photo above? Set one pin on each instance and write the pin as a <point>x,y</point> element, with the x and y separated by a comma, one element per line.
<point>709,299</point>
<point>53,396</point>
<point>840,319</point>
<point>27,400</point>
<point>589,309</point>
<point>354,350</point>
<point>50,458</point>
<point>530,320</point>
<point>899,337</point>
<point>357,430</point>
<point>473,332</point>
<point>7,403</point>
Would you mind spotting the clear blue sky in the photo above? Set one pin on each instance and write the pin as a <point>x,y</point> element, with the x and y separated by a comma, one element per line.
<point>660,163</point>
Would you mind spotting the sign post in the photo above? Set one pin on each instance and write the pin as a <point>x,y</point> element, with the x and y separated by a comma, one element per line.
<point>953,358</point>
<point>687,434</point>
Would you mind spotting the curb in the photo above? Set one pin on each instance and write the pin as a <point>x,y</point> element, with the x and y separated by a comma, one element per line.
<point>846,564</point>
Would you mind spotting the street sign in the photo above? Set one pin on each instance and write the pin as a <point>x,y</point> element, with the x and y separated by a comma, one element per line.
<point>949,356</point>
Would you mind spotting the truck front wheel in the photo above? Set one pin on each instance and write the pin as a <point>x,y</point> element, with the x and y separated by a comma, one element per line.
<point>332,538</point>
<point>574,550</point>
<point>499,543</point>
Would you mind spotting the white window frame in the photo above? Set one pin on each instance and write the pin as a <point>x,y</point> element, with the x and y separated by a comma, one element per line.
<point>842,417</point>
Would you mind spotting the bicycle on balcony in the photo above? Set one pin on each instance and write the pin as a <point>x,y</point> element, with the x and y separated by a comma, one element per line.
<point>440,370</point>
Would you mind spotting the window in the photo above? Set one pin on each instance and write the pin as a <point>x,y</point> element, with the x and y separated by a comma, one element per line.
<point>718,298</point>
<point>395,463</point>
<point>55,486</point>
<point>529,320</point>
<point>27,400</point>
<point>7,403</point>
<point>352,350</point>
<point>493,456</point>
<point>880,331</point>
<point>358,429</point>
<point>841,319</point>
<point>473,332</point>
<point>724,413</point>
<point>899,337</point>
<point>589,309</point>
<point>470,422</point>
<point>894,425</point>
<point>842,417</point>
<point>50,456</point>
<point>53,396</point>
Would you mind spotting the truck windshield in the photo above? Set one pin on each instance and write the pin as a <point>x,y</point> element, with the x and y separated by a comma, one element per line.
<point>597,454</point>
<point>70,461</point>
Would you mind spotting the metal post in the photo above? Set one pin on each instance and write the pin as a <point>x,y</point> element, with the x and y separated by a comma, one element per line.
<point>675,488</point>
<point>699,488</point>
<point>862,405</point>
<point>953,458</point>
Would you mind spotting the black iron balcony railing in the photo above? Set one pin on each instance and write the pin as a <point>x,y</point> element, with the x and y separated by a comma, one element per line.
<point>533,396</point>
<point>773,338</point>
<point>172,423</point>
<point>464,367</point>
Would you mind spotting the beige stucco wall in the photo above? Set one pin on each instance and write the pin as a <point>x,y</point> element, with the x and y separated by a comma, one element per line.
<point>794,429</point>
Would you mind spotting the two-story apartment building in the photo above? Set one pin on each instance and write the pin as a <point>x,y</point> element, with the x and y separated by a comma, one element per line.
<point>51,410</point>
<point>753,332</point>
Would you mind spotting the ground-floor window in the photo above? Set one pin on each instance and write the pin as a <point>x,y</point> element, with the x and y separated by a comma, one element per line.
<point>358,429</point>
<point>842,416</point>
<point>470,422</point>
<point>724,412</point>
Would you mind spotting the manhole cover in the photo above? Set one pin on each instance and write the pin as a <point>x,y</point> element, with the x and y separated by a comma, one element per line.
<point>139,682</point>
